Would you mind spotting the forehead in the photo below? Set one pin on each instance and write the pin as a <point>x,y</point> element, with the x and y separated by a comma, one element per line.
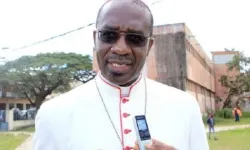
<point>124,16</point>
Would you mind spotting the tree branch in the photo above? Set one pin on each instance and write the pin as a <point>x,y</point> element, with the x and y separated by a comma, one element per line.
<point>27,96</point>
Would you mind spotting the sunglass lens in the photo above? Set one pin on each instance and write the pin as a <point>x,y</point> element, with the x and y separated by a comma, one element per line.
<point>136,40</point>
<point>108,36</point>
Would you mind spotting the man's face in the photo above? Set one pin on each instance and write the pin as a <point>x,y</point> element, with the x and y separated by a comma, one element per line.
<point>122,41</point>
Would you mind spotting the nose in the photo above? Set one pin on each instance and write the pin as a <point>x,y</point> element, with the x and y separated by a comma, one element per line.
<point>121,47</point>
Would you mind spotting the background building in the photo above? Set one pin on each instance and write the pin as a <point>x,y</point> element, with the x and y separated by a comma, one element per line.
<point>178,60</point>
<point>220,59</point>
<point>9,99</point>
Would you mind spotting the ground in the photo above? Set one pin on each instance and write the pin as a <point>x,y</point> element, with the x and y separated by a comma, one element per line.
<point>231,140</point>
<point>11,141</point>
<point>236,139</point>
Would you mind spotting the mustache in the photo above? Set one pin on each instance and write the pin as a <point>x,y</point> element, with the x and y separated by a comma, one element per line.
<point>121,58</point>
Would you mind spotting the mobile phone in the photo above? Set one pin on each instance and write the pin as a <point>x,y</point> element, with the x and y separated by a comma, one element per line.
<point>142,131</point>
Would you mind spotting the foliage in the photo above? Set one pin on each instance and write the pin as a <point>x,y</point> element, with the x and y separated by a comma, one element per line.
<point>236,83</point>
<point>224,113</point>
<point>246,114</point>
<point>38,76</point>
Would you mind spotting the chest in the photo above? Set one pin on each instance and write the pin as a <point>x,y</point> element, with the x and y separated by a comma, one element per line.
<point>110,126</point>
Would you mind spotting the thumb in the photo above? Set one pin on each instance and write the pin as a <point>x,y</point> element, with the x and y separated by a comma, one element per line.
<point>149,147</point>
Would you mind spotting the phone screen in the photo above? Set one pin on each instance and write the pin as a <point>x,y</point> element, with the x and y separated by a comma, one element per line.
<point>143,128</point>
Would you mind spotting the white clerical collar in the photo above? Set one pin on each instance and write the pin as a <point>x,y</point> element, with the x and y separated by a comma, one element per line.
<point>124,89</point>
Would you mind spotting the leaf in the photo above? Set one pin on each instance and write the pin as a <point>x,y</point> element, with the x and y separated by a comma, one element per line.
<point>239,83</point>
<point>38,76</point>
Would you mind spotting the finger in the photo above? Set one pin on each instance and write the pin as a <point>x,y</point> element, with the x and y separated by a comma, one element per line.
<point>150,147</point>
<point>136,146</point>
<point>159,145</point>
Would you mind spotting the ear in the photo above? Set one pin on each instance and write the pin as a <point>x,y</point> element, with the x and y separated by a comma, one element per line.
<point>94,37</point>
<point>151,43</point>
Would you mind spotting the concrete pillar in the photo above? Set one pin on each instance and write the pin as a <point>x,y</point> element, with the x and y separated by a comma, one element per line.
<point>15,105</point>
<point>7,106</point>
<point>7,110</point>
<point>10,119</point>
<point>24,106</point>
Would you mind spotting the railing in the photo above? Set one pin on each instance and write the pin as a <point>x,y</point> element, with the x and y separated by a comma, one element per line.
<point>15,118</point>
<point>24,114</point>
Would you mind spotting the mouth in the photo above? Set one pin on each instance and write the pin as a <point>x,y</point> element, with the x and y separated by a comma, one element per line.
<point>119,67</point>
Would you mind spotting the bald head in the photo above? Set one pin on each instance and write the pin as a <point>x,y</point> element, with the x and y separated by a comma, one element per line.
<point>134,3</point>
<point>123,35</point>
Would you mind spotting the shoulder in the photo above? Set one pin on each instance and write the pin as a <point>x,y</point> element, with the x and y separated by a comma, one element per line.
<point>168,91</point>
<point>173,95</point>
<point>66,102</point>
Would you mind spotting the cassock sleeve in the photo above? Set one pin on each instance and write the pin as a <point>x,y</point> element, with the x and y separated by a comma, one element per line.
<point>43,138</point>
<point>198,138</point>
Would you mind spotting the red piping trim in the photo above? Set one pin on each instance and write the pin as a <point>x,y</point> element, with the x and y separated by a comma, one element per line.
<point>117,87</point>
<point>120,104</point>
<point>121,122</point>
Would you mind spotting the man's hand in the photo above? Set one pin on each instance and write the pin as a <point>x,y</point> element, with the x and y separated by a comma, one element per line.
<point>156,145</point>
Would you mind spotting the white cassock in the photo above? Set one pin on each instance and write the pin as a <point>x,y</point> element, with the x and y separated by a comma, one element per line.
<point>77,120</point>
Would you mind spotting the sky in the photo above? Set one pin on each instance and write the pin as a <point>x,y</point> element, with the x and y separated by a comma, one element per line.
<point>216,24</point>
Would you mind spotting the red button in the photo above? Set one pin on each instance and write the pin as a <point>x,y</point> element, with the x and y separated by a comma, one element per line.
<point>124,100</point>
<point>127,131</point>
<point>125,115</point>
<point>128,148</point>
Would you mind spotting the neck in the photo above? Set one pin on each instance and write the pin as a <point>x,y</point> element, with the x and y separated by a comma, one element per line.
<point>130,83</point>
<point>125,89</point>
<point>124,85</point>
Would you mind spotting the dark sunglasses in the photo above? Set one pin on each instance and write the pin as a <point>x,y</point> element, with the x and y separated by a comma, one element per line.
<point>132,39</point>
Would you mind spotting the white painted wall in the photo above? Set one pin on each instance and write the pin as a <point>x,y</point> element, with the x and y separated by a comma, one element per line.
<point>22,123</point>
<point>18,123</point>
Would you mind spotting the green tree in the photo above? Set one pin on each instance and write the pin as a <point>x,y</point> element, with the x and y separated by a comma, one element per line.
<point>38,76</point>
<point>239,83</point>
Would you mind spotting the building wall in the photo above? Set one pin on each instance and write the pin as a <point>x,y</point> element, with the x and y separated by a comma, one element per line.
<point>6,103</point>
<point>182,64</point>
<point>200,75</point>
<point>220,68</point>
<point>151,64</point>
<point>169,55</point>
<point>198,71</point>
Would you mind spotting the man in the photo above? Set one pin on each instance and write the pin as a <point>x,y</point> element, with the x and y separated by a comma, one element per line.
<point>98,115</point>
<point>211,124</point>
<point>237,114</point>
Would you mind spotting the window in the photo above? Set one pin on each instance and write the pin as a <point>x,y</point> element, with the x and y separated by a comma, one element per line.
<point>223,59</point>
<point>28,106</point>
<point>11,106</point>
<point>19,106</point>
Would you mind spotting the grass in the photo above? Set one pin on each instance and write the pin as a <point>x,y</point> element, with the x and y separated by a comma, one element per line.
<point>231,140</point>
<point>27,129</point>
<point>11,141</point>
